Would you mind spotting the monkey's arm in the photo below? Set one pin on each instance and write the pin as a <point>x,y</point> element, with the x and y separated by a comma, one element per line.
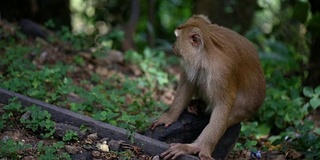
<point>183,96</point>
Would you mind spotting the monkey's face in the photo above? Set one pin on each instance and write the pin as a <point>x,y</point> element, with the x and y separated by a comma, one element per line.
<point>189,43</point>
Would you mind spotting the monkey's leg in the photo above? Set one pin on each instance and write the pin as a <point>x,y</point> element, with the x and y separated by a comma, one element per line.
<point>227,142</point>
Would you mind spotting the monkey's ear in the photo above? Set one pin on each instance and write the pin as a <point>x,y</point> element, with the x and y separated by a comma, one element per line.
<point>195,39</point>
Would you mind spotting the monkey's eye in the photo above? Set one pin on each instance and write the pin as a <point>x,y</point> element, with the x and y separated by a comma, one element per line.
<point>195,39</point>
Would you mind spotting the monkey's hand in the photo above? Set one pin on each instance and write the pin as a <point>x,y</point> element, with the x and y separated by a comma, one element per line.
<point>166,119</point>
<point>196,107</point>
<point>178,149</point>
<point>193,110</point>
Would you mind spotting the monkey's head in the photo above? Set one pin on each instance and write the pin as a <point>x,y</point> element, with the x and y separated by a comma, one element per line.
<point>190,38</point>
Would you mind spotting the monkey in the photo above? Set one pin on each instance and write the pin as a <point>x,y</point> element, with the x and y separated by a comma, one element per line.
<point>223,69</point>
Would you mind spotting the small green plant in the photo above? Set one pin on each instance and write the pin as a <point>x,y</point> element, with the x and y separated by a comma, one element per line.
<point>51,152</point>
<point>11,149</point>
<point>50,24</point>
<point>119,102</point>
<point>314,95</point>
<point>39,120</point>
<point>78,60</point>
<point>9,110</point>
<point>78,42</point>
<point>84,129</point>
<point>70,135</point>
<point>303,137</point>
<point>249,130</point>
<point>152,63</point>
<point>49,84</point>
<point>116,100</point>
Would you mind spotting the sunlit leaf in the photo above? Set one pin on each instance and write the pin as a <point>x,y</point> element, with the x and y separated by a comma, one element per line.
<point>315,102</point>
<point>308,91</point>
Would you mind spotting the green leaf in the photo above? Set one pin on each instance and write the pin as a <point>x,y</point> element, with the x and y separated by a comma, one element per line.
<point>317,90</point>
<point>264,129</point>
<point>253,143</point>
<point>305,108</point>
<point>308,91</point>
<point>317,131</point>
<point>273,139</point>
<point>315,102</point>
<point>58,145</point>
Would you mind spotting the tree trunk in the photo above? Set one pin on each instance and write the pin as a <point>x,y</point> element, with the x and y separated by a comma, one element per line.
<point>313,78</point>
<point>130,28</point>
<point>151,23</point>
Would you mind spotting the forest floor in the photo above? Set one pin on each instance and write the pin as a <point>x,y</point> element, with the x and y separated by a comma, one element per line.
<point>87,146</point>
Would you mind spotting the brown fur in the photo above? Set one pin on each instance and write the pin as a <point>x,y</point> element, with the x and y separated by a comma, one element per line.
<point>222,68</point>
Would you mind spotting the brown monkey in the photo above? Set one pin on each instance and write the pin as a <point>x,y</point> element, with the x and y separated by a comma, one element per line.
<point>223,69</point>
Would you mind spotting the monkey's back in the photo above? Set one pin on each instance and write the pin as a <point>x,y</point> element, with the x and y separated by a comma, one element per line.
<point>242,57</point>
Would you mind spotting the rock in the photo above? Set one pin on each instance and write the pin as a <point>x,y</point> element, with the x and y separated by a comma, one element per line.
<point>91,138</point>
<point>103,146</point>
<point>102,71</point>
<point>115,56</point>
<point>293,154</point>
<point>61,129</point>
<point>156,157</point>
<point>5,138</point>
<point>189,126</point>
<point>135,70</point>
<point>32,29</point>
<point>104,139</point>
<point>114,145</point>
<point>12,135</point>
<point>112,56</point>
<point>73,149</point>
<point>95,153</point>
<point>82,156</point>
<point>88,147</point>
<point>72,97</point>
<point>26,115</point>
<point>29,158</point>
<point>185,130</point>
<point>85,55</point>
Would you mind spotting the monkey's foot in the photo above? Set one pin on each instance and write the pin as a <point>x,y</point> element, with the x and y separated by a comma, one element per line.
<point>178,149</point>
